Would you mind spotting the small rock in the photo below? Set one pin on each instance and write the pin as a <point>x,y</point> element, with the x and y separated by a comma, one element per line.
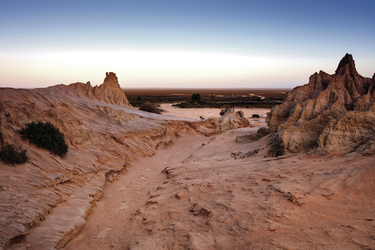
<point>293,198</point>
<point>123,206</point>
<point>110,178</point>
<point>150,202</point>
<point>198,210</point>
<point>272,228</point>
<point>104,233</point>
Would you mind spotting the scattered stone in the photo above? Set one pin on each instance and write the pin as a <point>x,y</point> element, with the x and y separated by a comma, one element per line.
<point>150,202</point>
<point>240,155</point>
<point>328,195</point>
<point>277,189</point>
<point>199,210</point>
<point>272,228</point>
<point>182,194</point>
<point>293,198</point>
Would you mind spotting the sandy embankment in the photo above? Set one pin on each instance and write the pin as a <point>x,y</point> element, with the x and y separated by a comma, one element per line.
<point>207,199</point>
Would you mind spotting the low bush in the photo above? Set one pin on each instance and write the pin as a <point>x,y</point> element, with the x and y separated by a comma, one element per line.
<point>11,155</point>
<point>149,107</point>
<point>195,98</point>
<point>47,136</point>
<point>255,116</point>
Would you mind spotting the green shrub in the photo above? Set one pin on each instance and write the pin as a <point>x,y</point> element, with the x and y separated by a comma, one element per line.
<point>11,155</point>
<point>47,136</point>
<point>195,98</point>
<point>256,116</point>
<point>149,107</point>
<point>182,105</point>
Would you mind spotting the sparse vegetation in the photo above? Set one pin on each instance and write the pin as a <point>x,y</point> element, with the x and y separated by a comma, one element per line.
<point>149,107</point>
<point>11,155</point>
<point>208,99</point>
<point>47,136</point>
<point>240,113</point>
<point>196,98</point>
<point>213,98</point>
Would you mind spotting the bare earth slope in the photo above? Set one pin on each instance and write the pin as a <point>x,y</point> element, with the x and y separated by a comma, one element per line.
<point>45,202</point>
<point>332,113</point>
<point>207,199</point>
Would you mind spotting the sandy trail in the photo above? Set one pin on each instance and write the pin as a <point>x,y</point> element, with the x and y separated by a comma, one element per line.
<point>122,198</point>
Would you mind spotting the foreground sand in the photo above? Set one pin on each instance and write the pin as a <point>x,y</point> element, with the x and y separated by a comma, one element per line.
<point>196,195</point>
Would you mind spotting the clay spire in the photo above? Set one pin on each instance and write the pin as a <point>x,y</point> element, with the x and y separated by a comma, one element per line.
<point>346,66</point>
<point>110,81</point>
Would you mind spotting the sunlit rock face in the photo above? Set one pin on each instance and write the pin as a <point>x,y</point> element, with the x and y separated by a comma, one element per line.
<point>332,113</point>
<point>110,91</point>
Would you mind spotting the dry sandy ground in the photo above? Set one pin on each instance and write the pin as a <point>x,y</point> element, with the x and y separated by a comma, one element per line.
<point>196,195</point>
<point>208,112</point>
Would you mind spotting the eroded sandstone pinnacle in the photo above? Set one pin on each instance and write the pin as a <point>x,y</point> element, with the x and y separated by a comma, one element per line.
<point>110,81</point>
<point>332,113</point>
<point>110,91</point>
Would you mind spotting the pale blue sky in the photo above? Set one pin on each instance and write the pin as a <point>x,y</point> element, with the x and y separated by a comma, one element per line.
<point>184,43</point>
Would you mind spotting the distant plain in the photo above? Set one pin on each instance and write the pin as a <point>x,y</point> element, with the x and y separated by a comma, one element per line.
<point>210,98</point>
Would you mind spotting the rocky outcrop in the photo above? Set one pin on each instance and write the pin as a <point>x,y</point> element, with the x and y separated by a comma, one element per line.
<point>109,91</point>
<point>331,113</point>
<point>44,202</point>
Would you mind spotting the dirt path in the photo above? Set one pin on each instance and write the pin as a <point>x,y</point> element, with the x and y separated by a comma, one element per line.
<point>122,198</point>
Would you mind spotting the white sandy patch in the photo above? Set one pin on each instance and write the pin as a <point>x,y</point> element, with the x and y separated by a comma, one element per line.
<point>196,113</point>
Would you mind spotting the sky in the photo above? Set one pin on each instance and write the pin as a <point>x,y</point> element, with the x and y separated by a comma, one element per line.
<point>182,43</point>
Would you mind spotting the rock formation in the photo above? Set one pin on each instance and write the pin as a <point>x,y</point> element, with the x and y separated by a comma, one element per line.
<point>47,199</point>
<point>332,113</point>
<point>108,92</point>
